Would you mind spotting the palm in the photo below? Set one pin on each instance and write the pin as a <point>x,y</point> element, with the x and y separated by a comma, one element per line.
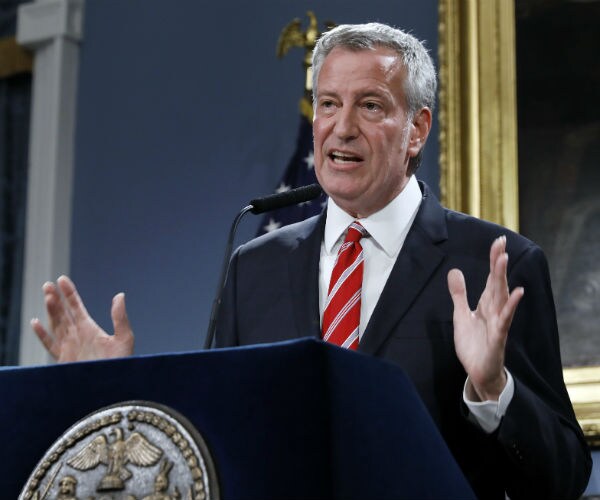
<point>479,342</point>
<point>75,335</point>
<point>86,341</point>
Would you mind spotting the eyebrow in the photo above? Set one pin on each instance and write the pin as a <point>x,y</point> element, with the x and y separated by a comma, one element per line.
<point>373,93</point>
<point>382,94</point>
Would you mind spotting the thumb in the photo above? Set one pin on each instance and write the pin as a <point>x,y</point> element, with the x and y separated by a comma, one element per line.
<point>458,290</point>
<point>119,318</point>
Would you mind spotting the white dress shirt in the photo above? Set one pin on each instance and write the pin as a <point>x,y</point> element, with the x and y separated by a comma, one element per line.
<point>387,231</point>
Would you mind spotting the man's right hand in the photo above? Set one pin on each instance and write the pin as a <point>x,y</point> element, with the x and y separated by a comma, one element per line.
<point>74,335</point>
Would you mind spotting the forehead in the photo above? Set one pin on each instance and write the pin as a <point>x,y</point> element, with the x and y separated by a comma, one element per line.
<point>346,68</point>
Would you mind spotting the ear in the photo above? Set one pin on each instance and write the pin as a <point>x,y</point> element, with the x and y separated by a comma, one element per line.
<point>419,130</point>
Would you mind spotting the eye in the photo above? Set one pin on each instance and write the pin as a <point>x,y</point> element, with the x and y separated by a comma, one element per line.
<point>371,106</point>
<point>327,107</point>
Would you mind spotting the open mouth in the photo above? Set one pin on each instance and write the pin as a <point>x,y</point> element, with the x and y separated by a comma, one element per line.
<point>344,158</point>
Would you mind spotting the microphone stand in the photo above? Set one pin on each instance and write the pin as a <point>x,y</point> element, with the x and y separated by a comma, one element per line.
<point>212,324</point>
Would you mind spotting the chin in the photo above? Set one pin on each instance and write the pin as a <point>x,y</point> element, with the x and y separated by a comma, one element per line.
<point>344,192</point>
<point>347,200</point>
<point>342,186</point>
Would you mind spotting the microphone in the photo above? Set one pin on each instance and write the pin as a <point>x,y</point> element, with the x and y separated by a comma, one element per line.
<point>256,206</point>
<point>280,200</point>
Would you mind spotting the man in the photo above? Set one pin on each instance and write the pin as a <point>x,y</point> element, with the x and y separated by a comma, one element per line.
<point>67,488</point>
<point>496,395</point>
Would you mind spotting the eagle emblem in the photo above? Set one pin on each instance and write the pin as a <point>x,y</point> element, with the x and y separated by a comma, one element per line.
<point>129,450</point>
<point>116,452</point>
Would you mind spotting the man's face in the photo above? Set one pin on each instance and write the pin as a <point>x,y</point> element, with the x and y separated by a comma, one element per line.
<point>160,483</point>
<point>363,134</point>
<point>67,486</point>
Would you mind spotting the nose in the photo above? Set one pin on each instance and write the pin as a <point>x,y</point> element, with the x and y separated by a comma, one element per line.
<point>346,127</point>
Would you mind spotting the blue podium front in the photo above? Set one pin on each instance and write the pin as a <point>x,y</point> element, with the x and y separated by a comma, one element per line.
<point>291,420</point>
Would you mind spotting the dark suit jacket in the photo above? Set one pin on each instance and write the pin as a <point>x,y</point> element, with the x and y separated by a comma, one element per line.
<point>538,450</point>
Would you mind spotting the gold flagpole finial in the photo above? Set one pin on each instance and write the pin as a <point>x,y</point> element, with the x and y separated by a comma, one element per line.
<point>293,36</point>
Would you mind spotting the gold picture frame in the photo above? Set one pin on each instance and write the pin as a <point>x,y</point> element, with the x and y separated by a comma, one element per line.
<point>478,127</point>
<point>14,59</point>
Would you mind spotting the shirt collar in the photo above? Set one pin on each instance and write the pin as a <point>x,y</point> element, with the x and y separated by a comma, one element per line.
<point>388,227</point>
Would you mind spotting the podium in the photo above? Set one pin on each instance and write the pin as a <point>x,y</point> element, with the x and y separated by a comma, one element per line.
<point>293,420</point>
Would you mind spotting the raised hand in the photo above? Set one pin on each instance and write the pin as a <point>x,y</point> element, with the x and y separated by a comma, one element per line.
<point>74,335</point>
<point>480,335</point>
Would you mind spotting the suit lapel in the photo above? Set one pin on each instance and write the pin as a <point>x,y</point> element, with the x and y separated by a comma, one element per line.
<point>303,266</point>
<point>419,258</point>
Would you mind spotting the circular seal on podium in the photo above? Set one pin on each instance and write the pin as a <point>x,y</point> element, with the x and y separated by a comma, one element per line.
<point>135,450</point>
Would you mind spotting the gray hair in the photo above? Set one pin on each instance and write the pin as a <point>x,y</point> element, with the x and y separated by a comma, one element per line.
<point>420,85</point>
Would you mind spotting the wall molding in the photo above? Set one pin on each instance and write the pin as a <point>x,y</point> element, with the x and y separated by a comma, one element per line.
<point>52,29</point>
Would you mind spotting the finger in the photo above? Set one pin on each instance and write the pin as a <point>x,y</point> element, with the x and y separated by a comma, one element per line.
<point>500,282</point>
<point>58,316</point>
<point>508,311</point>
<point>120,320</point>
<point>497,248</point>
<point>45,338</point>
<point>76,306</point>
<point>498,267</point>
<point>488,296</point>
<point>458,291</point>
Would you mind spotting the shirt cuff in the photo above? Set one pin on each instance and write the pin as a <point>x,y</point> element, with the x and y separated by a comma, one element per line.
<point>488,414</point>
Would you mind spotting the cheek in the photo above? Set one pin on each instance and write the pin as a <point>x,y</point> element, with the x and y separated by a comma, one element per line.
<point>318,139</point>
<point>317,132</point>
<point>394,148</point>
<point>318,158</point>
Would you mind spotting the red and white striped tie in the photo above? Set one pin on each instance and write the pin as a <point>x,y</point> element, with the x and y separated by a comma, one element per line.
<point>341,314</point>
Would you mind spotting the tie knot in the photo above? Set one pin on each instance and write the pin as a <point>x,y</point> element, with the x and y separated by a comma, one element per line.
<point>355,232</point>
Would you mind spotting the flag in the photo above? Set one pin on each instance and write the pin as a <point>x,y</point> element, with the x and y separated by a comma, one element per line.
<point>300,171</point>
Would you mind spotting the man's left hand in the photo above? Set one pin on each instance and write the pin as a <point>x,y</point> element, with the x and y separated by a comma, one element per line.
<point>480,335</point>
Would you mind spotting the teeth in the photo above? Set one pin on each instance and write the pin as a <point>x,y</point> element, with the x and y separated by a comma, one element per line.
<point>339,157</point>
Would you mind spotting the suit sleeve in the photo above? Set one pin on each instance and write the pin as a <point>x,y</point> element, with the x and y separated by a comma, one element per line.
<point>543,443</point>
